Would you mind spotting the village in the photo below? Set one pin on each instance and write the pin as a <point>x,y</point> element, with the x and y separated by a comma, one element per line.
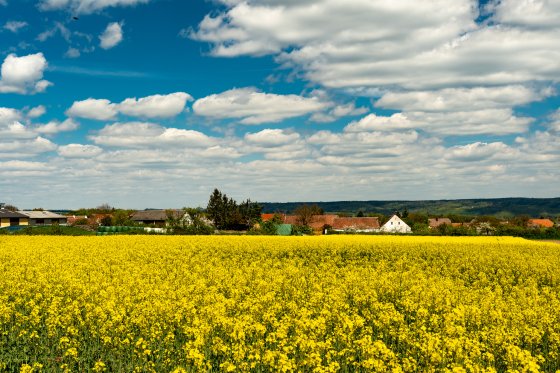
<point>306,220</point>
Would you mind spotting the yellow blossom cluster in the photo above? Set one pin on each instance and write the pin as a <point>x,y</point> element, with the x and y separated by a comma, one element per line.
<point>279,304</point>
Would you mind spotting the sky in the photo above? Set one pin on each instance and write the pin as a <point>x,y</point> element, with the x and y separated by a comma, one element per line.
<point>154,103</point>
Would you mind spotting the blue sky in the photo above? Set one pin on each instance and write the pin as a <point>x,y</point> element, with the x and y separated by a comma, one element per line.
<point>153,103</point>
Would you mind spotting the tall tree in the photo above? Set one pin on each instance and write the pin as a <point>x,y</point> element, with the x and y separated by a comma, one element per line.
<point>215,208</point>
<point>305,213</point>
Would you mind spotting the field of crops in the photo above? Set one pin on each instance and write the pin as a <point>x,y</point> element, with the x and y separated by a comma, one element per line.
<point>305,304</point>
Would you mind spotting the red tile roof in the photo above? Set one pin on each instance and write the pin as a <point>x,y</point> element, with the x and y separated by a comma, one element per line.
<point>436,222</point>
<point>267,217</point>
<point>356,223</point>
<point>543,223</point>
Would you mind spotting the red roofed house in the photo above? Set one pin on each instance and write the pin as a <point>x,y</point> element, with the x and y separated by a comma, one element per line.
<point>540,223</point>
<point>356,224</point>
<point>436,222</point>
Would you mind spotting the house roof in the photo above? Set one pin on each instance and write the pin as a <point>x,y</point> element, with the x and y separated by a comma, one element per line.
<point>317,221</point>
<point>7,214</point>
<point>42,215</point>
<point>356,223</point>
<point>436,222</point>
<point>545,223</point>
<point>156,215</point>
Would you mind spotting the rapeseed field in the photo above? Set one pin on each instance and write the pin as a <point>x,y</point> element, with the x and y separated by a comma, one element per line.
<point>294,304</point>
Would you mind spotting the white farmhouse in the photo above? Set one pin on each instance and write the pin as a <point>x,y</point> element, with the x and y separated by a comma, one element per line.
<point>395,225</point>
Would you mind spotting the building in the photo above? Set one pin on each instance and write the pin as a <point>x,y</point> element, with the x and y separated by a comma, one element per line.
<point>317,222</point>
<point>10,218</point>
<point>436,222</point>
<point>158,218</point>
<point>540,223</point>
<point>40,218</point>
<point>395,225</point>
<point>358,225</point>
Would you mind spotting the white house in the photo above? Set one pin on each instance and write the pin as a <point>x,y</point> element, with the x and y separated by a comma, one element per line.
<point>395,225</point>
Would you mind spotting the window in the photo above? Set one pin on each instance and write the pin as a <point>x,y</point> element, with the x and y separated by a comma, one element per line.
<point>40,221</point>
<point>14,221</point>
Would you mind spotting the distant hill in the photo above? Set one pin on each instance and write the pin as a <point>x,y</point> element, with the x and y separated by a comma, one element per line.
<point>500,207</point>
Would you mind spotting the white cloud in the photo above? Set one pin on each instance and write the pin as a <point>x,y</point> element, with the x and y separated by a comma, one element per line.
<point>25,148</point>
<point>272,137</point>
<point>86,6</point>
<point>491,121</point>
<point>112,36</point>
<point>54,127</point>
<point>79,151</point>
<point>533,13</point>
<point>337,112</point>
<point>9,115</point>
<point>414,45</point>
<point>372,122</point>
<point>72,53</point>
<point>23,74</point>
<point>479,151</point>
<point>461,99</point>
<point>36,112</point>
<point>254,107</point>
<point>15,26</point>
<point>93,109</point>
<point>157,106</point>
<point>141,134</point>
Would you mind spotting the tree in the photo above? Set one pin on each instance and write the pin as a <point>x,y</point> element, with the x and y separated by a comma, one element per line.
<point>11,208</point>
<point>215,209</point>
<point>104,208</point>
<point>227,214</point>
<point>305,213</point>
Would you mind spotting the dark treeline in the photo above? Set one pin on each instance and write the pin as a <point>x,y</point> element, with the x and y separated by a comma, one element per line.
<point>500,207</point>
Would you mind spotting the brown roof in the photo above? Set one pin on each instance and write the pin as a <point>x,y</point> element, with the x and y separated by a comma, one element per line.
<point>7,214</point>
<point>156,215</point>
<point>356,223</point>
<point>544,223</point>
<point>436,222</point>
<point>317,221</point>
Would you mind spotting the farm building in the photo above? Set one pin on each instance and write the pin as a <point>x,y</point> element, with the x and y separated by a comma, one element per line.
<point>10,218</point>
<point>40,218</point>
<point>540,223</point>
<point>364,225</point>
<point>396,225</point>
<point>156,217</point>
<point>436,222</point>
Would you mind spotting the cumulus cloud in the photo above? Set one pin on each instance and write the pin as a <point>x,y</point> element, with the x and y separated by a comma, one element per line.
<point>271,137</point>
<point>23,75</point>
<point>93,109</point>
<point>461,99</point>
<point>79,151</point>
<point>156,106</point>
<point>142,134</point>
<point>414,45</point>
<point>36,112</point>
<point>15,26</point>
<point>54,127</point>
<point>25,148</point>
<point>86,6</point>
<point>253,107</point>
<point>112,36</point>
<point>491,121</point>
